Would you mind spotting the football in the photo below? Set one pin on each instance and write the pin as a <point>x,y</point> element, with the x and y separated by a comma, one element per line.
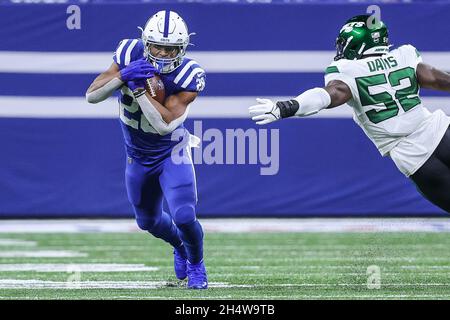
<point>155,87</point>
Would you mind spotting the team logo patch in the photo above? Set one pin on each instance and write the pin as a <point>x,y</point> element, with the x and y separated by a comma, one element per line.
<point>376,37</point>
<point>349,26</point>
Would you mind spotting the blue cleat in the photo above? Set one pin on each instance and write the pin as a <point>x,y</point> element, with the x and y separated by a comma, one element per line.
<point>197,278</point>
<point>179,262</point>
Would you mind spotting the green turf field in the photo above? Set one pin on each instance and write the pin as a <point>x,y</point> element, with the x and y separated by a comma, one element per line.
<point>240,266</point>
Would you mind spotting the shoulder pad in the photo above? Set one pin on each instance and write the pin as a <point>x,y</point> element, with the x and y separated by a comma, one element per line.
<point>128,50</point>
<point>191,77</point>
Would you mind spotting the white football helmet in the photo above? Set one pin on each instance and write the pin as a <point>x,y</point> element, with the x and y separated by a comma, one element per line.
<point>165,32</point>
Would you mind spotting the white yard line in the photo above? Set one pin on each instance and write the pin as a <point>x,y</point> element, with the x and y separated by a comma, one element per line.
<point>17,242</point>
<point>259,297</point>
<point>352,267</point>
<point>307,297</point>
<point>324,274</point>
<point>313,249</point>
<point>68,226</point>
<point>400,296</point>
<point>42,284</point>
<point>413,269</point>
<point>426,267</point>
<point>86,267</point>
<point>42,254</point>
<point>348,258</point>
<point>238,225</point>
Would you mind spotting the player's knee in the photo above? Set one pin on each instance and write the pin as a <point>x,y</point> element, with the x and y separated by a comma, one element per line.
<point>184,215</point>
<point>147,224</point>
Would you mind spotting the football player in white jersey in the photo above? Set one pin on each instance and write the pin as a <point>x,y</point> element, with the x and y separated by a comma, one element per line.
<point>382,87</point>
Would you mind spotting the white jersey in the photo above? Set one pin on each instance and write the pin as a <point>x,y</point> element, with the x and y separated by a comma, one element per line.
<point>386,105</point>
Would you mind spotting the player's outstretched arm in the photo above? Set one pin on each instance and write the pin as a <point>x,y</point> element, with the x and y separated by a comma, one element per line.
<point>165,118</point>
<point>432,78</point>
<point>309,102</point>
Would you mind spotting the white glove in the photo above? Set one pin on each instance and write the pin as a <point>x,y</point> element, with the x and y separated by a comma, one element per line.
<point>265,112</point>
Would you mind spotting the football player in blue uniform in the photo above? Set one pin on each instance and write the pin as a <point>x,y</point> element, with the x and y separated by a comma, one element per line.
<point>148,128</point>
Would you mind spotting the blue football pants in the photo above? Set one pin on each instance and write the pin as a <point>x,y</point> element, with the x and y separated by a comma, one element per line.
<point>147,186</point>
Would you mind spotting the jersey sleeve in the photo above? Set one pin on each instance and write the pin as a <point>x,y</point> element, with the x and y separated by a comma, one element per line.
<point>337,71</point>
<point>192,77</point>
<point>128,50</point>
<point>411,55</point>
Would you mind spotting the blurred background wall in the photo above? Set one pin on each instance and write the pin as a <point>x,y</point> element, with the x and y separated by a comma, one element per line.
<point>61,157</point>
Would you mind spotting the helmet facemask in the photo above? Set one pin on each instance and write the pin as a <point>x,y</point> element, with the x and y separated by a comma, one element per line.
<point>167,62</point>
<point>340,47</point>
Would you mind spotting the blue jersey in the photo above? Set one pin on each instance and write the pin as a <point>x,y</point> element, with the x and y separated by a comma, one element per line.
<point>141,140</point>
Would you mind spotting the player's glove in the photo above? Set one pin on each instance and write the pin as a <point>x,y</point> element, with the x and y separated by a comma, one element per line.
<point>137,70</point>
<point>133,85</point>
<point>264,112</point>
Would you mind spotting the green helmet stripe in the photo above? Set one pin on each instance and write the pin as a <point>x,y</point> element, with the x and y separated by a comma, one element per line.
<point>332,69</point>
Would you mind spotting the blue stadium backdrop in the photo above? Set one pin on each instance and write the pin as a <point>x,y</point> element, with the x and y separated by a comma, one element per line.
<point>62,157</point>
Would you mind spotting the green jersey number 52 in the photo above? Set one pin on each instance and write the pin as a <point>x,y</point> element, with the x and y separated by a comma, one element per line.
<point>407,97</point>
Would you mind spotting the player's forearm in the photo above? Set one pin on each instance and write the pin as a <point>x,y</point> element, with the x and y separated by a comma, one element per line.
<point>312,101</point>
<point>166,114</point>
<point>151,112</point>
<point>308,103</point>
<point>103,87</point>
<point>103,79</point>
